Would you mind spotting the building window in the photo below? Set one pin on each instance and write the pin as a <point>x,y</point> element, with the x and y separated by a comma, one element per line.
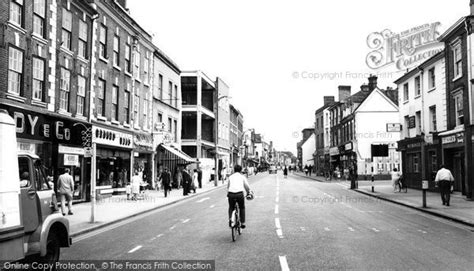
<point>169,125</point>
<point>103,41</point>
<point>145,69</point>
<point>417,86</point>
<point>160,85</point>
<point>457,60</point>
<point>433,127</point>
<point>114,109</point>
<point>175,130</point>
<point>38,78</point>
<point>406,126</point>
<point>39,7</point>
<point>116,55</point>
<point>16,12</point>
<point>136,106</point>
<point>67,29</point>
<point>160,118</point>
<point>101,98</point>
<point>431,78</point>
<point>82,43</point>
<point>64,90</point>
<point>416,163</point>
<point>15,70</point>
<point>175,96</point>
<point>128,56</point>
<point>81,94</point>
<point>136,68</point>
<point>418,122</point>
<point>405,92</point>
<point>126,106</point>
<point>458,107</point>
<point>170,92</point>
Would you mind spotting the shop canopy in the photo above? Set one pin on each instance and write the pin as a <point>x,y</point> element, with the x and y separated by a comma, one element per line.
<point>175,154</point>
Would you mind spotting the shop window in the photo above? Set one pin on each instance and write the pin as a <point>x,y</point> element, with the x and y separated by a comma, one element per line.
<point>457,60</point>
<point>126,106</point>
<point>433,124</point>
<point>116,55</point>
<point>81,94</point>
<point>103,41</point>
<point>114,110</point>
<point>405,92</point>
<point>417,86</point>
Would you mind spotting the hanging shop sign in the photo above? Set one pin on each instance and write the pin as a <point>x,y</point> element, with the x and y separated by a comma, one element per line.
<point>456,138</point>
<point>334,151</point>
<point>394,127</point>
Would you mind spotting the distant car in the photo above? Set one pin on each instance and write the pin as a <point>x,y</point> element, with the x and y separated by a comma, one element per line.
<point>272,169</point>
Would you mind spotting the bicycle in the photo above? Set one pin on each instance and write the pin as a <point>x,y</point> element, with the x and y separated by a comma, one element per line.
<point>235,225</point>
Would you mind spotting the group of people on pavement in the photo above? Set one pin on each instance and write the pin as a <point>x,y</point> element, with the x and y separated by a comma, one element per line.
<point>308,169</point>
<point>186,179</point>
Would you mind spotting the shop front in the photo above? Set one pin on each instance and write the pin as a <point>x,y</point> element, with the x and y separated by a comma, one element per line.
<point>168,156</point>
<point>348,159</point>
<point>58,141</point>
<point>335,162</point>
<point>113,160</point>
<point>453,157</point>
<point>143,157</point>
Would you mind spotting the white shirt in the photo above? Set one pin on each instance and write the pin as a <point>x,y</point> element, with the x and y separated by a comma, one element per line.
<point>444,175</point>
<point>237,183</point>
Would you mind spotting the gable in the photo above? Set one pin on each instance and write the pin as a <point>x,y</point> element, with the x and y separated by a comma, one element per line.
<point>377,102</point>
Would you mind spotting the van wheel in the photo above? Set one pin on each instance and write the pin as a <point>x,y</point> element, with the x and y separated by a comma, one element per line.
<point>52,250</point>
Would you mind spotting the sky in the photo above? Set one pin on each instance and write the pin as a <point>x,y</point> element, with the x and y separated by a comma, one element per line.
<point>280,57</point>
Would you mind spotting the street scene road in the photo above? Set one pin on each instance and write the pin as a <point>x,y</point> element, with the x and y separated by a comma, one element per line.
<point>293,223</point>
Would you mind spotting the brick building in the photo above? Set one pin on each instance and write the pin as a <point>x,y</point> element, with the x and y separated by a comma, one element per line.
<point>45,63</point>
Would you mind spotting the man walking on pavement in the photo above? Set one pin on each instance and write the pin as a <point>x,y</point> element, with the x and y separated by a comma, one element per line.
<point>199,171</point>
<point>444,180</point>
<point>66,187</point>
<point>186,181</point>
<point>166,181</point>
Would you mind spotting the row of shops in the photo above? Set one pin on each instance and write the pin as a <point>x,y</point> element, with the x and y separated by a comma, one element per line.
<point>63,142</point>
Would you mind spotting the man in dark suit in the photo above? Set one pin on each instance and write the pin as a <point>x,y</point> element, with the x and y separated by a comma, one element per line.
<point>166,181</point>
<point>199,171</point>
<point>186,181</point>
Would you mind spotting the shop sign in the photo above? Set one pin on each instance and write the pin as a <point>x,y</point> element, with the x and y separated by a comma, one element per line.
<point>70,150</point>
<point>334,151</point>
<point>413,145</point>
<point>411,122</point>
<point>88,152</point>
<point>394,127</point>
<point>112,138</point>
<point>348,146</point>
<point>36,126</point>
<point>460,138</point>
<point>71,160</point>
<point>429,139</point>
<point>448,139</point>
<point>26,147</point>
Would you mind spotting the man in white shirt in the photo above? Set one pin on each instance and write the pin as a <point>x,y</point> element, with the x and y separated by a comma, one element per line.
<point>235,193</point>
<point>444,179</point>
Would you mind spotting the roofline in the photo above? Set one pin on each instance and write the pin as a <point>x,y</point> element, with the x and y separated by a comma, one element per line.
<point>417,69</point>
<point>163,57</point>
<point>321,109</point>
<point>381,92</point>
<point>201,73</point>
<point>452,28</point>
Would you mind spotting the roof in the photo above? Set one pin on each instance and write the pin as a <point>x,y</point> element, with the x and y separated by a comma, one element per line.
<point>319,110</point>
<point>423,65</point>
<point>453,28</point>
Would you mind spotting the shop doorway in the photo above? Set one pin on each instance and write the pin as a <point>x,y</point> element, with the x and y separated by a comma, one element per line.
<point>458,172</point>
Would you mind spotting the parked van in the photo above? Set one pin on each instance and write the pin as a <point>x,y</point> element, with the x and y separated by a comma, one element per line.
<point>31,226</point>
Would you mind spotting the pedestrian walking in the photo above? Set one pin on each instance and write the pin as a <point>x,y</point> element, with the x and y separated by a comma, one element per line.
<point>165,179</point>
<point>186,181</point>
<point>285,172</point>
<point>306,170</point>
<point>136,181</point>
<point>444,180</point>
<point>195,183</point>
<point>199,171</point>
<point>66,188</point>
<point>395,175</point>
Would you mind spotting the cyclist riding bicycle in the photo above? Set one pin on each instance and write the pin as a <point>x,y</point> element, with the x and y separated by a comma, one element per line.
<point>235,193</point>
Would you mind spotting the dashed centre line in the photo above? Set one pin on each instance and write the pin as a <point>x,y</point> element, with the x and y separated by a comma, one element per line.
<point>212,206</point>
<point>284,263</point>
<point>375,230</point>
<point>203,199</point>
<point>186,220</point>
<point>277,223</point>
<point>276,209</point>
<point>135,249</point>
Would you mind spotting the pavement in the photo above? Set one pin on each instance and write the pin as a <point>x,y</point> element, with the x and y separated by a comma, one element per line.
<point>460,209</point>
<point>117,208</point>
<point>292,224</point>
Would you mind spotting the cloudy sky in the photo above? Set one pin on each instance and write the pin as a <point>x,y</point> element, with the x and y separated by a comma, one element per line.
<point>266,50</point>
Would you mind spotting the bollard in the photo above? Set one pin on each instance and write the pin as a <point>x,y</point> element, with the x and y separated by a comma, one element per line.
<point>424,188</point>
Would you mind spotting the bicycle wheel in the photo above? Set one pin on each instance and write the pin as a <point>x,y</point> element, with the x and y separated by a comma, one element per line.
<point>233,233</point>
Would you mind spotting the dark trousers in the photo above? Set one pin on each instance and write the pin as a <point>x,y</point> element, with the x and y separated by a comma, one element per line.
<point>239,198</point>
<point>445,189</point>
<point>167,189</point>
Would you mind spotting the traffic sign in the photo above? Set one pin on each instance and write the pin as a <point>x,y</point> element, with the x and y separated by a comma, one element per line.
<point>88,152</point>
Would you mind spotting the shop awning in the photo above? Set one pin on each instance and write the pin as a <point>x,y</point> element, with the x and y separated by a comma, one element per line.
<point>177,154</point>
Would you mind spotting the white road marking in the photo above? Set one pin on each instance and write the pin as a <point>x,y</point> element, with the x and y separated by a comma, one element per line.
<point>172,227</point>
<point>277,223</point>
<point>375,230</point>
<point>284,263</point>
<point>422,231</point>
<point>327,229</point>
<point>135,249</point>
<point>185,221</point>
<point>276,209</point>
<point>159,235</point>
<point>212,206</point>
<point>279,233</point>
<point>351,229</point>
<point>303,228</point>
<point>277,199</point>
<point>203,199</point>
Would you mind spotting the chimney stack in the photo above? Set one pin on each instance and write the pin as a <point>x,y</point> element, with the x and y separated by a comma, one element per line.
<point>372,82</point>
<point>328,100</point>
<point>365,88</point>
<point>344,93</point>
